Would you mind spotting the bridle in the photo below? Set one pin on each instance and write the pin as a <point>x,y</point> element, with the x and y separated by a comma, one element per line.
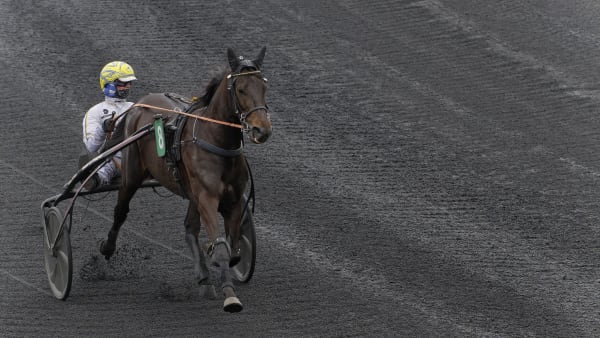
<point>231,78</point>
<point>245,127</point>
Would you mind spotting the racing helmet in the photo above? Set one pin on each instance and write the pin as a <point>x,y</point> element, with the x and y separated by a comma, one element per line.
<point>113,72</point>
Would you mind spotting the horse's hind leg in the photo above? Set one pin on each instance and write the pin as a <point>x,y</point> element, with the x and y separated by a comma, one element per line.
<point>192,229</point>
<point>107,246</point>
<point>131,179</point>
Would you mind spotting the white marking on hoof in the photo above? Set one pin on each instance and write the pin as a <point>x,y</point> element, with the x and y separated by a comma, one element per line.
<point>232,304</point>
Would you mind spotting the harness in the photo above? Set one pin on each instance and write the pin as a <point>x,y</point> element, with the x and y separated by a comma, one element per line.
<point>173,132</point>
<point>178,125</point>
<point>173,135</point>
<point>174,129</point>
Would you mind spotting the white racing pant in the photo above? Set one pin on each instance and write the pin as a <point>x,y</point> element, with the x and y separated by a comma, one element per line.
<point>110,170</point>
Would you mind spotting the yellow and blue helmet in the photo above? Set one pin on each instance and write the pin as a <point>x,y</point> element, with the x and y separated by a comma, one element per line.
<point>113,72</point>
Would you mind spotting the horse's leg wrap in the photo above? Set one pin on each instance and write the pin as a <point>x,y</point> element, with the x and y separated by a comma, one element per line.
<point>226,281</point>
<point>220,254</point>
<point>207,289</point>
<point>200,269</point>
<point>231,303</point>
<point>219,251</point>
<point>228,284</point>
<point>202,274</point>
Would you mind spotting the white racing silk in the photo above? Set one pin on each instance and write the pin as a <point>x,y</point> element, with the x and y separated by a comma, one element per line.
<point>94,136</point>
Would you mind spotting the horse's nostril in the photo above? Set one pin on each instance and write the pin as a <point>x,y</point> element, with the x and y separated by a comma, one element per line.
<point>261,134</point>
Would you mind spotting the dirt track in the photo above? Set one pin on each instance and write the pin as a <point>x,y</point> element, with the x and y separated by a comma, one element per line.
<point>434,168</point>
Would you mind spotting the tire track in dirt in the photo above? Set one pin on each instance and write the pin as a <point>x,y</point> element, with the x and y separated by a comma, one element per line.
<point>479,79</point>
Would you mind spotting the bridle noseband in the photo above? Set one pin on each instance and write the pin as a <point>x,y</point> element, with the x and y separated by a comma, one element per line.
<point>231,78</point>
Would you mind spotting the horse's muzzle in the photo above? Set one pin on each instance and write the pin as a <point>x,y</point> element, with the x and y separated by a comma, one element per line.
<point>260,135</point>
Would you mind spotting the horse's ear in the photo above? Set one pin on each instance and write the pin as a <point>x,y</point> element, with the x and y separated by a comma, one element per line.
<point>233,59</point>
<point>259,59</point>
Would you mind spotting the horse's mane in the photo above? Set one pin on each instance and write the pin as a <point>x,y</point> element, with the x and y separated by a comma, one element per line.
<point>210,89</point>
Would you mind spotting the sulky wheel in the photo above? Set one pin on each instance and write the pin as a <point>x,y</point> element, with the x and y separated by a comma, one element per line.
<point>58,260</point>
<point>243,271</point>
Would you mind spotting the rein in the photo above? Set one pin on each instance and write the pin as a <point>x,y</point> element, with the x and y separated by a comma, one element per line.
<point>229,124</point>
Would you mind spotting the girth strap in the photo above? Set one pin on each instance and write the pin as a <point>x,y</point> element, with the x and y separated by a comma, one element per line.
<point>217,150</point>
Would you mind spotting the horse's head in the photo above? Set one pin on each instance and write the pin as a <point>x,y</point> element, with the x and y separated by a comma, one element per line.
<point>248,88</point>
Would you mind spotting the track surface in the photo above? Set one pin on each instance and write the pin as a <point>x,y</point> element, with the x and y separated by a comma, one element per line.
<point>434,168</point>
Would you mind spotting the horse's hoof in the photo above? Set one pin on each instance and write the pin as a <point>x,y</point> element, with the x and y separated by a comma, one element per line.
<point>232,304</point>
<point>104,251</point>
<point>207,291</point>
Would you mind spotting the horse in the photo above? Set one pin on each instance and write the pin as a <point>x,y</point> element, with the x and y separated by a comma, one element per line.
<point>213,172</point>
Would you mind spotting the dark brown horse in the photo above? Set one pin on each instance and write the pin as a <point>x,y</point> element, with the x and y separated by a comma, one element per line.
<point>213,172</point>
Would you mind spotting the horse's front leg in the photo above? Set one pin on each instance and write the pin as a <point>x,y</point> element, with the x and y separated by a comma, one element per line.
<point>219,251</point>
<point>192,229</point>
<point>232,216</point>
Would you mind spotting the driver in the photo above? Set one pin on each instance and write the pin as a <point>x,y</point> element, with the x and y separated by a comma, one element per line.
<point>115,82</point>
